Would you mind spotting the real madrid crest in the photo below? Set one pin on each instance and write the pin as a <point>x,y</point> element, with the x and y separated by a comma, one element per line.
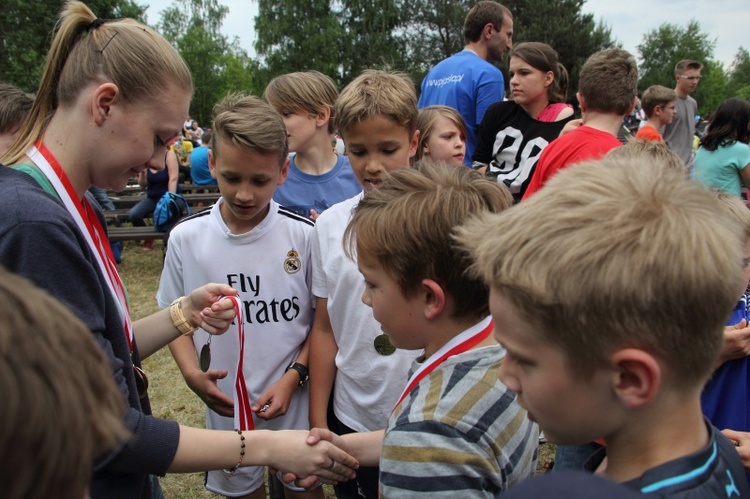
<point>292,264</point>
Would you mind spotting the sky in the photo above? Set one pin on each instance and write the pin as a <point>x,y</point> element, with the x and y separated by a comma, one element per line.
<point>726,21</point>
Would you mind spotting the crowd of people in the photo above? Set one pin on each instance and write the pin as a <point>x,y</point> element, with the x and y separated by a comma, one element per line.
<point>408,319</point>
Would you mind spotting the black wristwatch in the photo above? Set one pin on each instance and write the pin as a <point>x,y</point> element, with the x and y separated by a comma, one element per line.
<point>301,370</point>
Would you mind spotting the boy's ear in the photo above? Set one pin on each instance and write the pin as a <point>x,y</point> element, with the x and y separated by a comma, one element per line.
<point>581,101</point>
<point>637,377</point>
<point>414,144</point>
<point>284,171</point>
<point>323,117</point>
<point>104,97</point>
<point>434,298</point>
<point>211,163</point>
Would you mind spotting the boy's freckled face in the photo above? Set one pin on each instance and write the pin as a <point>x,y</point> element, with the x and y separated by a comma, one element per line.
<point>568,409</point>
<point>395,312</point>
<point>376,146</point>
<point>247,181</point>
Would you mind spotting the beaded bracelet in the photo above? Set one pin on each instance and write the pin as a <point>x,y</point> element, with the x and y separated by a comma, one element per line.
<point>232,471</point>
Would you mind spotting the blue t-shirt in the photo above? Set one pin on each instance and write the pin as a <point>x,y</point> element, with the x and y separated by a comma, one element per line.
<point>467,83</point>
<point>726,397</point>
<point>720,169</point>
<point>199,167</point>
<point>302,192</point>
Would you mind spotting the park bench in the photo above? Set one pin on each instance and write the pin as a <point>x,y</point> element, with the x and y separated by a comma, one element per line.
<point>193,199</point>
<point>184,187</point>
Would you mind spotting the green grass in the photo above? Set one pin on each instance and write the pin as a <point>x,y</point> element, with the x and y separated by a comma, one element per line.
<point>170,396</point>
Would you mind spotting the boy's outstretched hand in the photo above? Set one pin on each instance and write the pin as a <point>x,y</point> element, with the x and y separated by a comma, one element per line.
<point>204,385</point>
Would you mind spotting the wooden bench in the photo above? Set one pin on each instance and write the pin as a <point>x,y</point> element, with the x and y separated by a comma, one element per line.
<point>185,188</point>
<point>192,199</point>
<point>133,233</point>
<point>130,233</point>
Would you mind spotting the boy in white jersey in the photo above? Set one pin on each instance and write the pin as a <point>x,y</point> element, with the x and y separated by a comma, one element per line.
<point>263,251</point>
<point>376,115</point>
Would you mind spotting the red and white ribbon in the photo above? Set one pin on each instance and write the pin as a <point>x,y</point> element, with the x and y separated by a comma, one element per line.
<point>458,344</point>
<point>243,416</point>
<point>90,226</point>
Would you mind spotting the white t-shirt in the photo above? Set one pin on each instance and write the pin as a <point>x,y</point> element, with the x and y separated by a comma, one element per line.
<point>270,266</point>
<point>367,383</point>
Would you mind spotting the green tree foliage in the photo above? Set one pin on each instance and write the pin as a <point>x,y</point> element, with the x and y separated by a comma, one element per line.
<point>739,75</point>
<point>712,90</point>
<point>665,46</point>
<point>298,35</point>
<point>371,36</point>
<point>434,30</point>
<point>411,36</point>
<point>27,27</point>
<point>194,28</point>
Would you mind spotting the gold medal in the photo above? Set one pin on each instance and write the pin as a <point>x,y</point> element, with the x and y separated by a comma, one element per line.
<point>383,345</point>
<point>141,381</point>
<point>205,360</point>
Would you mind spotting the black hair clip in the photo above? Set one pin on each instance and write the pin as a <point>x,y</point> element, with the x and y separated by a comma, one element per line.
<point>95,24</point>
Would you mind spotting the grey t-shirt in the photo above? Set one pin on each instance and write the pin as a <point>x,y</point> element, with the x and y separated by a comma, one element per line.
<point>679,134</point>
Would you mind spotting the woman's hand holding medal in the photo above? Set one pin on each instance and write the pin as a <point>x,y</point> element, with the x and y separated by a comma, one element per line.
<point>204,308</point>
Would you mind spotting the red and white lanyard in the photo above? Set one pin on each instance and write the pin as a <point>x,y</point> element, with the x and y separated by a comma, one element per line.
<point>90,226</point>
<point>458,344</point>
<point>243,416</point>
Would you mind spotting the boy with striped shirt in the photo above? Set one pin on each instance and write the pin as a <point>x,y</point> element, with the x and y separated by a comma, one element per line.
<point>455,428</point>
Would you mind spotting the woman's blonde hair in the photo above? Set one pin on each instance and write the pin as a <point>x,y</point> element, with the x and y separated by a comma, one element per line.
<point>426,121</point>
<point>86,49</point>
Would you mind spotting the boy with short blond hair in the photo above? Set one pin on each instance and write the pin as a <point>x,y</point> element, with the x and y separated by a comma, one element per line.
<point>262,250</point>
<point>318,177</point>
<point>376,116</point>
<point>614,337</point>
<point>453,405</point>
<point>647,151</point>
<point>607,89</point>
<point>659,104</point>
<point>57,391</point>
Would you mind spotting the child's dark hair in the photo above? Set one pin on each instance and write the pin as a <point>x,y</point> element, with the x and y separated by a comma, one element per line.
<point>730,123</point>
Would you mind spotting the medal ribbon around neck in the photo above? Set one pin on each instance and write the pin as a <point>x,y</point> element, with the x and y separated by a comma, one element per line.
<point>90,226</point>
<point>458,344</point>
<point>243,416</point>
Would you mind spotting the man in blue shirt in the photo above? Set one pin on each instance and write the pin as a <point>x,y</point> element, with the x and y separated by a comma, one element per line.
<point>468,81</point>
